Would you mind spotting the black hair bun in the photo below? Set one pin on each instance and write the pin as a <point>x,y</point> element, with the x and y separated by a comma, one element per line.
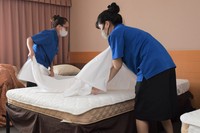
<point>114,8</point>
<point>55,17</point>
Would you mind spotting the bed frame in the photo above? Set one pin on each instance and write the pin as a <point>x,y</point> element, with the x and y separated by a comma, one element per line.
<point>188,64</point>
<point>40,123</point>
<point>34,120</point>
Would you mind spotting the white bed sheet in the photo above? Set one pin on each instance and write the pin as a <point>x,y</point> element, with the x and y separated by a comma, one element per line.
<point>183,86</point>
<point>94,74</point>
<point>193,120</point>
<point>75,105</point>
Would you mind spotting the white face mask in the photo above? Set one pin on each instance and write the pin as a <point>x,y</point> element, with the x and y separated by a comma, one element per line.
<point>63,32</point>
<point>104,35</point>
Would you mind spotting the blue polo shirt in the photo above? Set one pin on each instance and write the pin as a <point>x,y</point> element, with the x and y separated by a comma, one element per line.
<point>45,46</point>
<point>140,51</point>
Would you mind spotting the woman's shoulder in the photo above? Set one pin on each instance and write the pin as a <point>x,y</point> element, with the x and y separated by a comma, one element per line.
<point>122,27</point>
<point>48,32</point>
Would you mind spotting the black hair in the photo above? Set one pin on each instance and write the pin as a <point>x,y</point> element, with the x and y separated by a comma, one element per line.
<point>58,20</point>
<point>111,14</point>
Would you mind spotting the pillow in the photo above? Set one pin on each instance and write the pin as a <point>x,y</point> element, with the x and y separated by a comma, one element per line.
<point>65,70</point>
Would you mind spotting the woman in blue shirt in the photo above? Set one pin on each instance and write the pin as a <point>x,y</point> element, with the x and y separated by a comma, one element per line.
<point>44,45</point>
<point>156,96</point>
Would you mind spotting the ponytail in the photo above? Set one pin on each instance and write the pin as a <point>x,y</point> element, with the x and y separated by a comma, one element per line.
<point>58,20</point>
<point>111,14</point>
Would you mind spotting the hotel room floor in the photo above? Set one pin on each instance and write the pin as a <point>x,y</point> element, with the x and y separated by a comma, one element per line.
<point>176,125</point>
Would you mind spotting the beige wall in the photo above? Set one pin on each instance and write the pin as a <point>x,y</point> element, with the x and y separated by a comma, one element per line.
<point>175,23</point>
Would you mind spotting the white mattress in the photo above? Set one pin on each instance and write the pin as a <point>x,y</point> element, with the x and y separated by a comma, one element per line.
<point>183,85</point>
<point>193,120</point>
<point>75,105</point>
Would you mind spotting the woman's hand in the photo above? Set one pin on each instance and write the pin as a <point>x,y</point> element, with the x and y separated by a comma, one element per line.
<point>31,54</point>
<point>95,91</point>
<point>51,73</point>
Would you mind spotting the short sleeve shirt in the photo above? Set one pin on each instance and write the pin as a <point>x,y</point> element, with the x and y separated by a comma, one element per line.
<point>45,46</point>
<point>141,52</point>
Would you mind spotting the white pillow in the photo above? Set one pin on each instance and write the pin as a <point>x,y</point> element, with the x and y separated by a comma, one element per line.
<point>65,70</point>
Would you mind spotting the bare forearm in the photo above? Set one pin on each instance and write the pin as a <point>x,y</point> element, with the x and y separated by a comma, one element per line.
<point>113,72</point>
<point>30,44</point>
<point>51,67</point>
<point>51,70</point>
<point>116,66</point>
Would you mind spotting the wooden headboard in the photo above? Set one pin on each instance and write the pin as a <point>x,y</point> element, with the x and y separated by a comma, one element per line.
<point>187,62</point>
<point>188,67</point>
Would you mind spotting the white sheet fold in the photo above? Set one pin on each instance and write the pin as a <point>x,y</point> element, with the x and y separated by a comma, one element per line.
<point>94,74</point>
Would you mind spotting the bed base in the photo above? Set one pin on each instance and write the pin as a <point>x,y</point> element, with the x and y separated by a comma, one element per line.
<point>34,122</point>
<point>184,106</point>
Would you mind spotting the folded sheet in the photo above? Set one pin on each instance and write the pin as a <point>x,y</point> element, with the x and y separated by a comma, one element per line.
<point>94,74</point>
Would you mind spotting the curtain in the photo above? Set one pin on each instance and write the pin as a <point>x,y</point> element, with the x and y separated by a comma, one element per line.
<point>20,19</point>
<point>54,2</point>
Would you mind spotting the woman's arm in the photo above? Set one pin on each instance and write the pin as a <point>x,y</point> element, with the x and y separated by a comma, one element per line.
<point>116,66</point>
<point>29,43</point>
<point>51,70</point>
